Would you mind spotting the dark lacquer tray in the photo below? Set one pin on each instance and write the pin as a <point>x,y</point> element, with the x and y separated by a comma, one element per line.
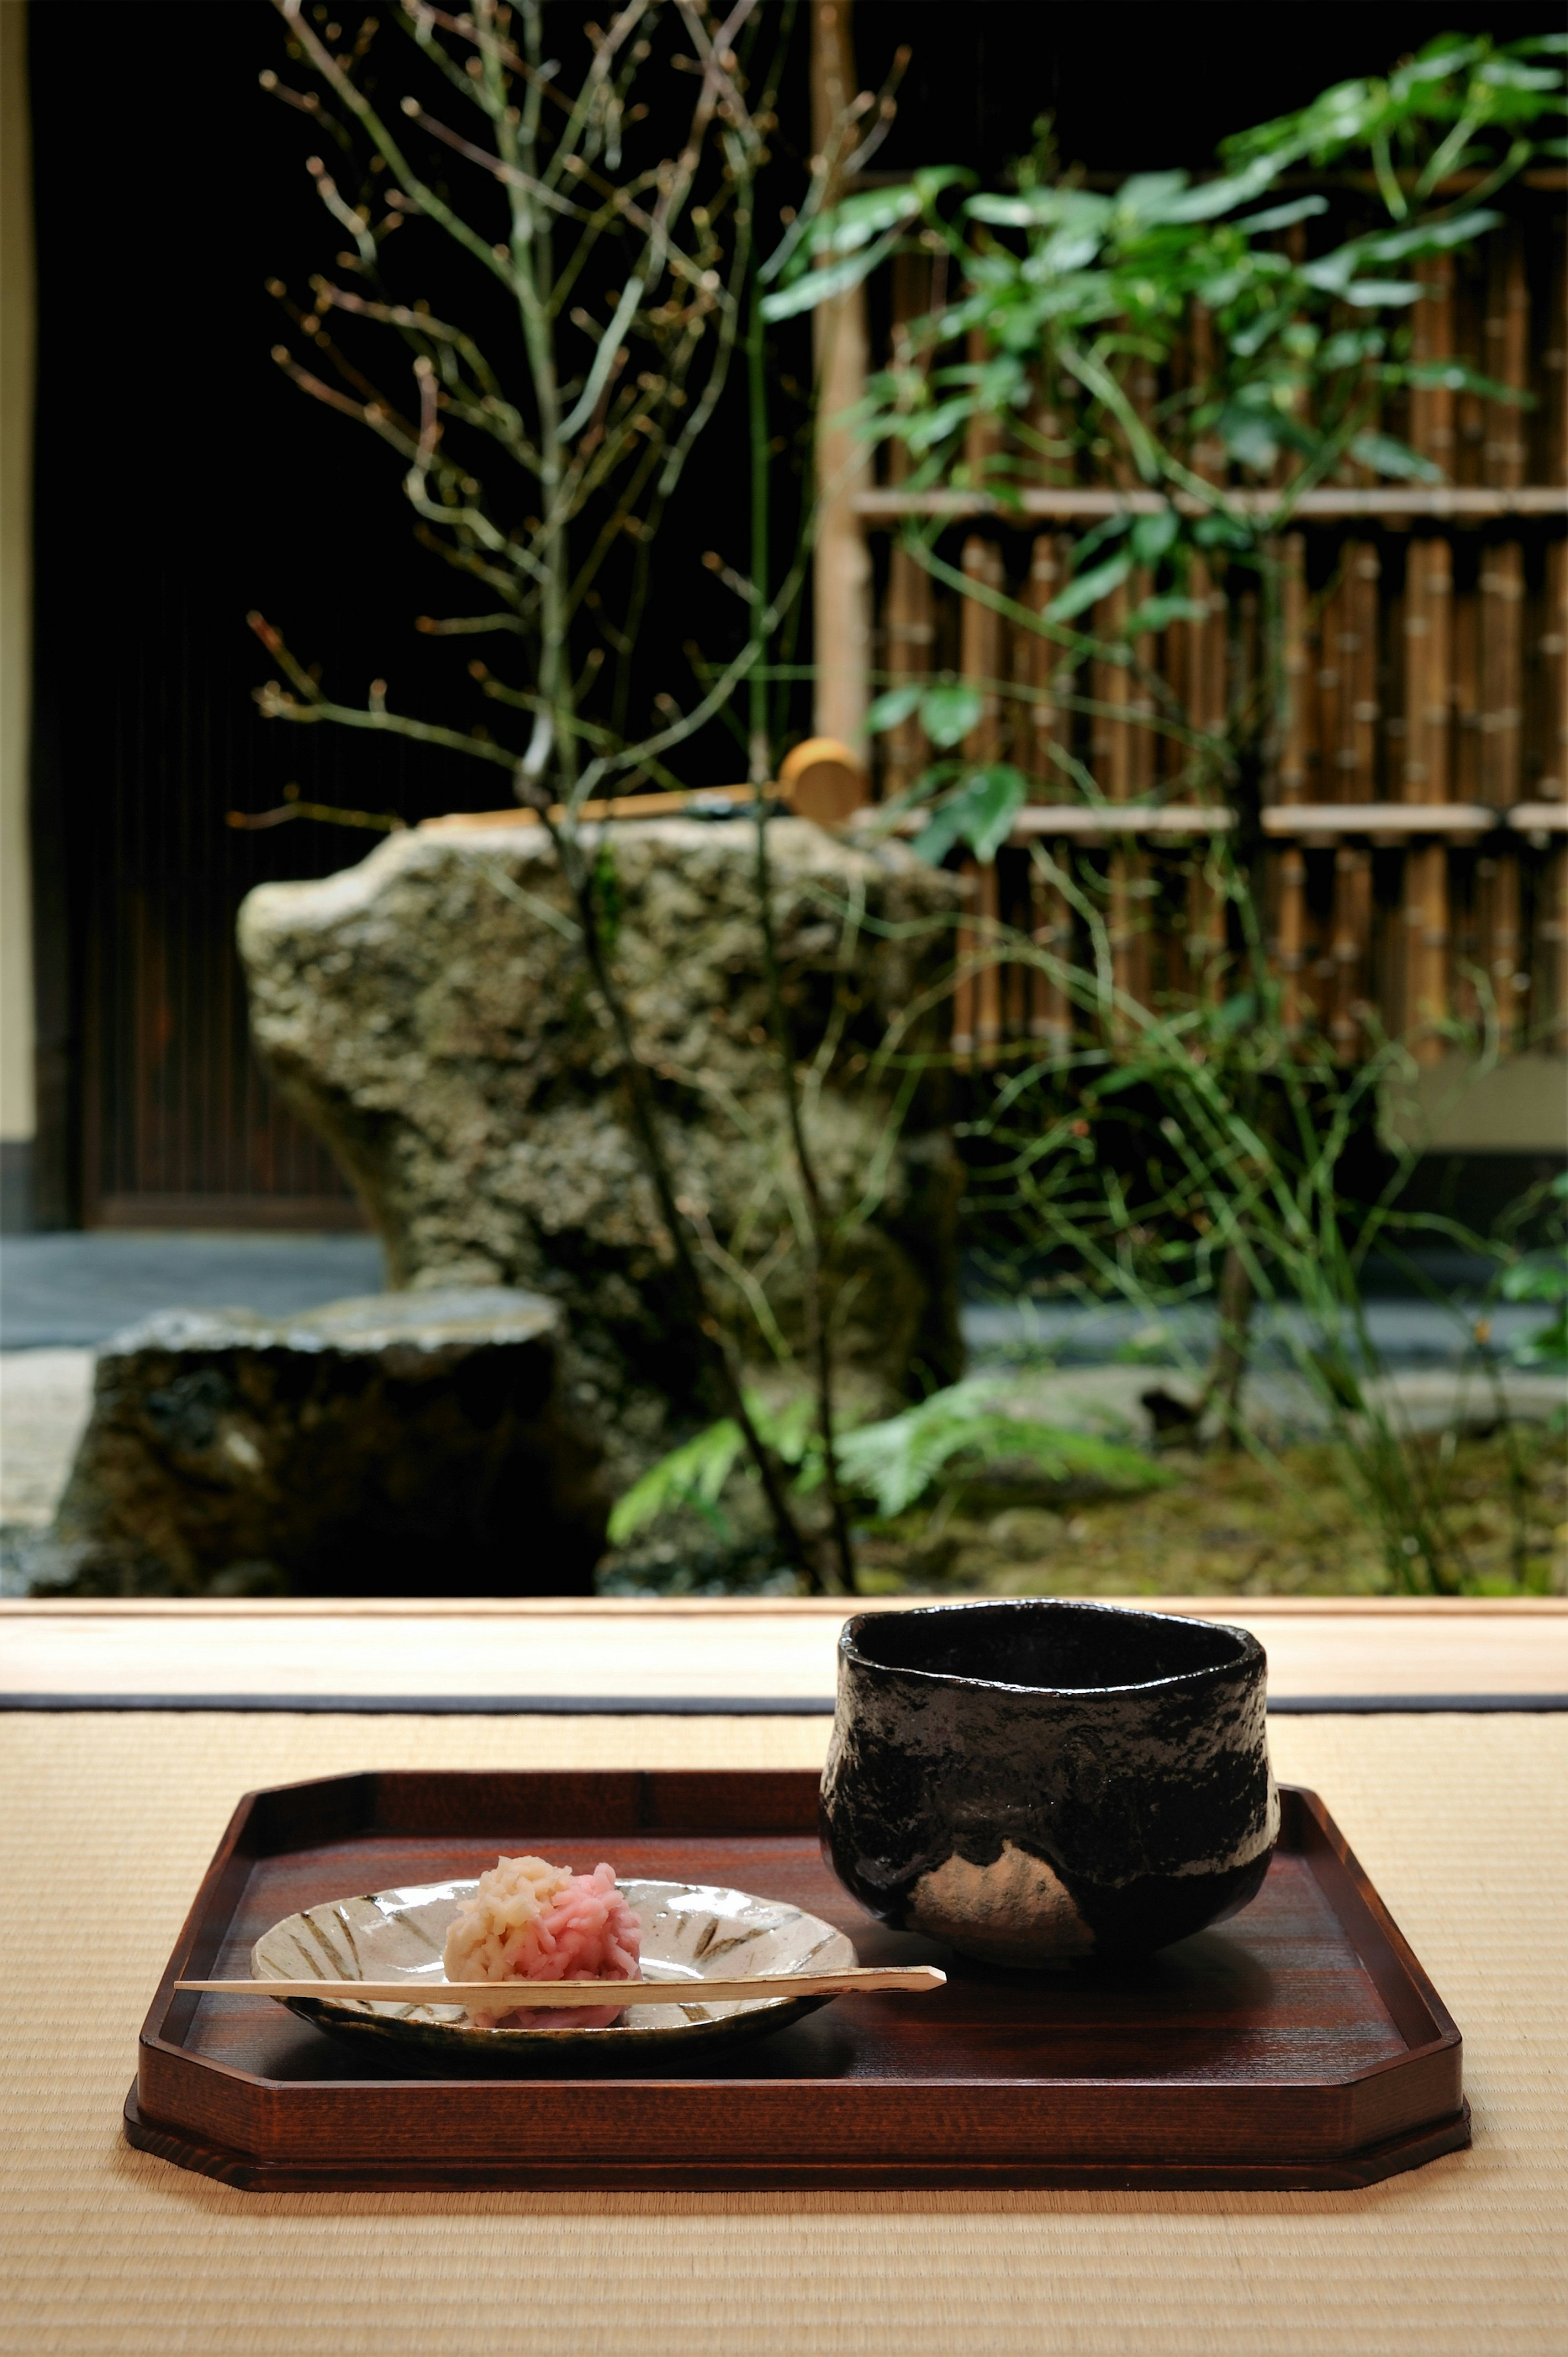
<point>1300,2045</point>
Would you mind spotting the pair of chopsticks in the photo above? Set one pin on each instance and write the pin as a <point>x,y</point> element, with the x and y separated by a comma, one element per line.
<point>864,1980</point>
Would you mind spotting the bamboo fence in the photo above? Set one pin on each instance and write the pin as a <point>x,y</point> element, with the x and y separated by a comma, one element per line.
<point>1411,850</point>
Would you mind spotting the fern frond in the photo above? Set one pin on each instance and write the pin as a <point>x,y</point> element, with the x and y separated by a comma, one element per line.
<point>896,1461</point>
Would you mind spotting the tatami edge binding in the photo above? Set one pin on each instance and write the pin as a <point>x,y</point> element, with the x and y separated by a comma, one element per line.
<point>692,1705</point>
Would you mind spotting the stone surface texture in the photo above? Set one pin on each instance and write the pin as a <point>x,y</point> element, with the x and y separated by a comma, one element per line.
<point>406,1443</point>
<point>431,1013</point>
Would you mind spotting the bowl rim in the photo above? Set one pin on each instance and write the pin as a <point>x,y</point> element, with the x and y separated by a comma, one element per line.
<point>1249,1655</point>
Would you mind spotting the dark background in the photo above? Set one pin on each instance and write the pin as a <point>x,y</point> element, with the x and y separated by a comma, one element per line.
<point>182,479</point>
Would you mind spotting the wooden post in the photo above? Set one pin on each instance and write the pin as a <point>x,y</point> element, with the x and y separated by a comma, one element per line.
<point>1292,770</point>
<point>841,590</point>
<point>1554,441</point>
<point>1290,936</point>
<point>1507,357</point>
<point>1502,617</point>
<point>1502,934</point>
<point>910,633</point>
<point>1553,649</point>
<point>1111,738</point>
<point>1361,647</point>
<point>908,630</point>
<point>1349,709</point>
<point>980,648</point>
<point>1352,932</point>
<point>1466,693</point>
<point>964,993</point>
<point>1050,1017</point>
<point>1050,1013</point>
<point>1552,787</point>
<point>1428,659</point>
<point>1552,929</point>
<point>1431,330</point>
<point>1501,694</point>
<point>984,438</point>
<point>1331,686</point>
<point>982,665</point>
<point>1502,632</point>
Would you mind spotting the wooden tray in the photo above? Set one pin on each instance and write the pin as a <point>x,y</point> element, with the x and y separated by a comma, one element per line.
<point>1300,2045</point>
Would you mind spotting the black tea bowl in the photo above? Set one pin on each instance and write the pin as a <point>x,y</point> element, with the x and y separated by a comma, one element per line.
<point>1037,1782</point>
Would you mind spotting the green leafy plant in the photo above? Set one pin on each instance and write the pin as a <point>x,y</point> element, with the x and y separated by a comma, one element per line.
<point>1067,288</point>
<point>890,1465</point>
<point>965,1429</point>
<point>695,1474</point>
<point>1274,343</point>
<point>1542,1276</point>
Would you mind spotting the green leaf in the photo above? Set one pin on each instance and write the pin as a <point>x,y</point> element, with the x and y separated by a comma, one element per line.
<point>949,712</point>
<point>1111,528</point>
<point>859,218</point>
<point>1221,532</point>
<point>1503,74</point>
<point>1539,1277</point>
<point>1372,293</point>
<point>932,178</point>
<point>1041,209</point>
<point>1249,435</point>
<point>930,427</point>
<point>1396,459</point>
<point>890,709</point>
<point>1283,216</point>
<point>1438,59</point>
<point>691,1475</point>
<point>694,1474</point>
<point>1089,588</point>
<point>896,1461</point>
<point>1350,347</point>
<point>980,814</point>
<point>1153,534</point>
<point>1205,202</point>
<point>1429,237</point>
<point>1453,376</point>
<point>1547,1347</point>
<point>1158,613</point>
<point>814,286</point>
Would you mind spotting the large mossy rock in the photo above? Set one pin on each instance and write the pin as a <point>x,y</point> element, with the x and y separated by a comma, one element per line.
<point>431,1013</point>
<point>406,1443</point>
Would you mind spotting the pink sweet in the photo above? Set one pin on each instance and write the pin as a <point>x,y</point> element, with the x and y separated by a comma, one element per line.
<point>529,1921</point>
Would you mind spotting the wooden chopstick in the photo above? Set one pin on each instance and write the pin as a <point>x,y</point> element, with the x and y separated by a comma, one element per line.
<point>911,1980</point>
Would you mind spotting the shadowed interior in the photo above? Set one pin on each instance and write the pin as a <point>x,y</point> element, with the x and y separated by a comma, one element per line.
<point>1047,1644</point>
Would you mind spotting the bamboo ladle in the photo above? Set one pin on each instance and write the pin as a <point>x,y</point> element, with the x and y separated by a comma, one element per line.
<point>863,1980</point>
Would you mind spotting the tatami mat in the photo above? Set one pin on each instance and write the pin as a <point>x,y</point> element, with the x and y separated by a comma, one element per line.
<point>108,1821</point>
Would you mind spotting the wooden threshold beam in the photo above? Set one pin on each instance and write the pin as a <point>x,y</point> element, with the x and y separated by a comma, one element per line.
<point>1441,502</point>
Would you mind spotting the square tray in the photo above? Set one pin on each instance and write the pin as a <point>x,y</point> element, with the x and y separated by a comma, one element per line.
<point>1299,2045</point>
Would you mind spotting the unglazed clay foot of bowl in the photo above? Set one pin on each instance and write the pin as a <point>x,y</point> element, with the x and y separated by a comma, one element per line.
<point>1040,1782</point>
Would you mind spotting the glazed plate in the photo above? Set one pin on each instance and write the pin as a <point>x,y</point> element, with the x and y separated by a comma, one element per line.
<point>691,1931</point>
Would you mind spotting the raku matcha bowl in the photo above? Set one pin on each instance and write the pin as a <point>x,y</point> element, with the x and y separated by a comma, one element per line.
<point>1035,1782</point>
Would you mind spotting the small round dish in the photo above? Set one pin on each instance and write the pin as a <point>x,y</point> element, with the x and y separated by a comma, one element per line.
<point>691,1931</point>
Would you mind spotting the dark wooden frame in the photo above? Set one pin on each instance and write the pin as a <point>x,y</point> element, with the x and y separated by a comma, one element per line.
<point>854,2098</point>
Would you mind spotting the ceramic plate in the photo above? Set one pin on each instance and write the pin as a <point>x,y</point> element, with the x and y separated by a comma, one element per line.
<point>691,1931</point>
